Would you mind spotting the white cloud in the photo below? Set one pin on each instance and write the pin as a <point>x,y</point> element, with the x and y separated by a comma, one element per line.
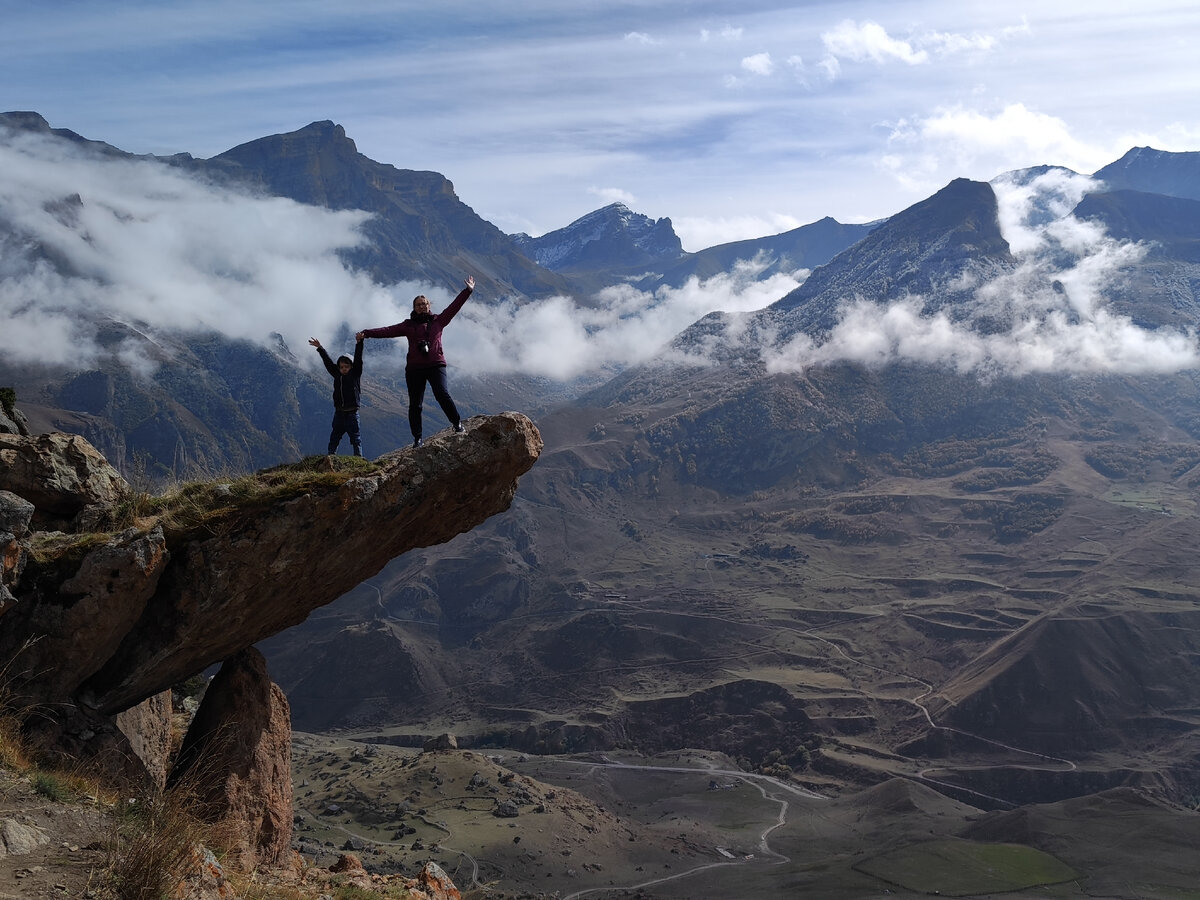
<point>1055,297</point>
<point>925,153</point>
<point>558,339</point>
<point>759,64</point>
<point>640,37</point>
<point>728,33</point>
<point>943,43</point>
<point>697,233</point>
<point>830,67</point>
<point>869,42</point>
<point>146,245</point>
<point>1024,207</point>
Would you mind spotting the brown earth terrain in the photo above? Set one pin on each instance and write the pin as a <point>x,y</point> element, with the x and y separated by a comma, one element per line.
<point>693,824</point>
<point>1017,654</point>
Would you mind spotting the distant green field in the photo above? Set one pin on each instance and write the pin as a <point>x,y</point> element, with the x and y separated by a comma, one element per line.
<point>963,868</point>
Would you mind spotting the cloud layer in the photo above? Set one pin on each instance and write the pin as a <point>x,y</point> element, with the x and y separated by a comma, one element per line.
<point>1055,299</point>
<point>138,242</point>
<point>144,244</point>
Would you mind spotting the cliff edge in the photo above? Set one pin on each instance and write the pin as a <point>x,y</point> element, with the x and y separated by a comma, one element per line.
<point>102,609</point>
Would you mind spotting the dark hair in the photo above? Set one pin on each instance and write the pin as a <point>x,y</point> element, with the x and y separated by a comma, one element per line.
<point>345,359</point>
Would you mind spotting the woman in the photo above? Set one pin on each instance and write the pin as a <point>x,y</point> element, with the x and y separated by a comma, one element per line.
<point>426,362</point>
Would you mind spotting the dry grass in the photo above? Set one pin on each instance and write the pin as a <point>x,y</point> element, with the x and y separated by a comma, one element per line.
<point>153,846</point>
<point>13,752</point>
<point>208,506</point>
<point>204,504</point>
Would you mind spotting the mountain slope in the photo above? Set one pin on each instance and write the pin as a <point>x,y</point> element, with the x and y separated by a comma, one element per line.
<point>934,249</point>
<point>862,536</point>
<point>420,231</point>
<point>1155,172</point>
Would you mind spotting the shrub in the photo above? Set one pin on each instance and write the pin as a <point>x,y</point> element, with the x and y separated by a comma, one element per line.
<point>153,846</point>
<point>52,787</point>
<point>8,400</point>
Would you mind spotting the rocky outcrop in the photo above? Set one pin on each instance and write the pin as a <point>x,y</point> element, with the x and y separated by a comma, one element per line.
<point>431,883</point>
<point>12,421</point>
<point>15,516</point>
<point>62,475</point>
<point>96,623</point>
<point>147,727</point>
<point>236,759</point>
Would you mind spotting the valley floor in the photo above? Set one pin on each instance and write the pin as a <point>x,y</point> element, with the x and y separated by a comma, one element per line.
<point>693,825</point>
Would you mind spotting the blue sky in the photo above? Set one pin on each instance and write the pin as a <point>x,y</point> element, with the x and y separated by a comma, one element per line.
<point>735,119</point>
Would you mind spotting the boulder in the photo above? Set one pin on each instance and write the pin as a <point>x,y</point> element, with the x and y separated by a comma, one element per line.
<point>436,884</point>
<point>57,640</point>
<point>12,421</point>
<point>236,760</point>
<point>445,741</point>
<point>17,839</point>
<point>62,475</point>
<point>148,729</point>
<point>15,516</point>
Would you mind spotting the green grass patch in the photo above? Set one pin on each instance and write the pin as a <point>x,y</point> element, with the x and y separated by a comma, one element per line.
<point>962,868</point>
<point>52,787</point>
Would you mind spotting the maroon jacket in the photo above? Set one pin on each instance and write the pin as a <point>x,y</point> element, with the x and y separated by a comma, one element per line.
<point>428,332</point>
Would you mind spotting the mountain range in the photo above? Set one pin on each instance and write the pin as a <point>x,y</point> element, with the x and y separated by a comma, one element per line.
<point>930,515</point>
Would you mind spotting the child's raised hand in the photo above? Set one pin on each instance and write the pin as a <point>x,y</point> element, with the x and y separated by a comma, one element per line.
<point>314,342</point>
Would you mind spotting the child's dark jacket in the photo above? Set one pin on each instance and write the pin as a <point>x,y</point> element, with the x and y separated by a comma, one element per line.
<point>345,387</point>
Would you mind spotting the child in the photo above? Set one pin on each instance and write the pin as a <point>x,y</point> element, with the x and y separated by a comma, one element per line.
<point>346,375</point>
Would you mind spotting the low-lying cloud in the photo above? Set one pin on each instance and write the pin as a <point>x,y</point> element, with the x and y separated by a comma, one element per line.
<point>145,244</point>
<point>135,241</point>
<point>1055,298</point>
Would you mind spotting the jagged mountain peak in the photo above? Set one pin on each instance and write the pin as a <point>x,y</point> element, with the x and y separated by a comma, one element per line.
<point>610,236</point>
<point>933,241</point>
<point>323,140</point>
<point>322,135</point>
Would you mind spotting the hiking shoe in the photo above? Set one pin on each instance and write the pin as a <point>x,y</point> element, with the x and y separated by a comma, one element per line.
<point>418,443</point>
<point>459,429</point>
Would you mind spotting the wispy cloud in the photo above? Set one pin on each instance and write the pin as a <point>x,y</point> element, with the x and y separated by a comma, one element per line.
<point>141,243</point>
<point>758,64</point>
<point>977,144</point>
<point>1055,298</point>
<point>870,42</point>
<point>640,37</point>
<point>728,33</point>
<point>607,195</point>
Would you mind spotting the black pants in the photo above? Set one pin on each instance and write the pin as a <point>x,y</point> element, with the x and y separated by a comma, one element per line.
<point>345,422</point>
<point>435,377</point>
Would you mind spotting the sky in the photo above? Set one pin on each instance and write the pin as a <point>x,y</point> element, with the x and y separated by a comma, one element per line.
<point>735,119</point>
